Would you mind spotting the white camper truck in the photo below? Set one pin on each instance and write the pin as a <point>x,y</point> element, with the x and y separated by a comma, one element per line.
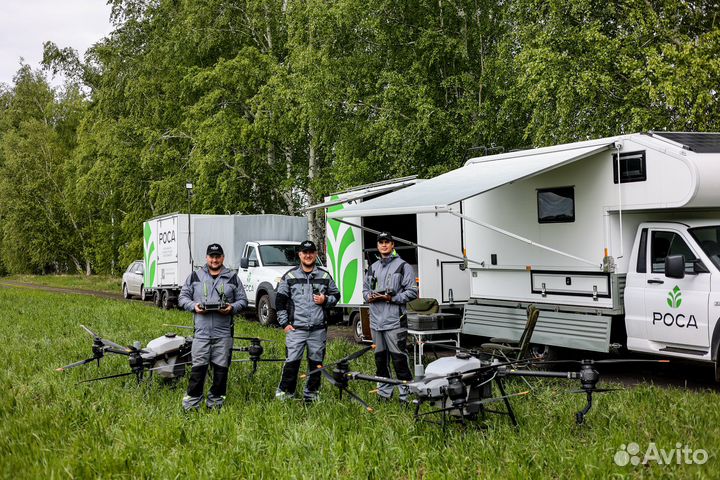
<point>351,247</point>
<point>168,242</point>
<point>617,238</point>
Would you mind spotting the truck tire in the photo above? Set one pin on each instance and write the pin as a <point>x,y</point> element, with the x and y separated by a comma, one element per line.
<point>143,294</point>
<point>157,298</point>
<point>357,328</point>
<point>126,294</point>
<point>267,316</point>
<point>167,302</point>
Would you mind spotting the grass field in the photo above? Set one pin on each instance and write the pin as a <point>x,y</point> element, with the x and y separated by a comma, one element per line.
<point>50,427</point>
<point>99,283</point>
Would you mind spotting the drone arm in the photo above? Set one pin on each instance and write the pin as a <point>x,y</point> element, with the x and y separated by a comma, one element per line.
<point>372,378</point>
<point>118,352</point>
<point>538,373</point>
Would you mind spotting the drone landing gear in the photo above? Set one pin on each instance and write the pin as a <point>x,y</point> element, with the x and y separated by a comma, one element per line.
<point>505,398</point>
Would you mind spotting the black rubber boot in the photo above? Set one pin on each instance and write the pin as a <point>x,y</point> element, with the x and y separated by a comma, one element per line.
<point>288,381</point>
<point>197,380</point>
<point>314,380</point>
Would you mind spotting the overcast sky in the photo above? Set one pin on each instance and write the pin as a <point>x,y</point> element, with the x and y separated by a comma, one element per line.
<point>26,24</point>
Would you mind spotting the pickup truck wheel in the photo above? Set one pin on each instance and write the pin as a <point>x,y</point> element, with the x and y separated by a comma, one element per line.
<point>126,294</point>
<point>267,316</point>
<point>357,327</point>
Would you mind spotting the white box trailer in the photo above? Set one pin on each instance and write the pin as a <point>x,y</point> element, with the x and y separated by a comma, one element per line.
<point>434,247</point>
<point>583,230</point>
<point>168,242</point>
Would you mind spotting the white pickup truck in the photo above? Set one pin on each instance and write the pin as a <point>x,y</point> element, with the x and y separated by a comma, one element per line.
<point>261,266</point>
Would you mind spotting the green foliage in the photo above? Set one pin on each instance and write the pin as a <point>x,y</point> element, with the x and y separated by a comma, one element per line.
<point>50,426</point>
<point>269,105</point>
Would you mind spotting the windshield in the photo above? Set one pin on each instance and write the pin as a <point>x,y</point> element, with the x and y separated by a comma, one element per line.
<point>709,240</point>
<point>281,255</point>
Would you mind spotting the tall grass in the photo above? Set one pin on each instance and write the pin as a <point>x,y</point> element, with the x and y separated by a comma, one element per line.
<point>50,427</point>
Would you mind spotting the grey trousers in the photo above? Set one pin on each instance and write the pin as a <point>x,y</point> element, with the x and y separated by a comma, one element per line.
<point>390,347</point>
<point>208,352</point>
<point>296,342</point>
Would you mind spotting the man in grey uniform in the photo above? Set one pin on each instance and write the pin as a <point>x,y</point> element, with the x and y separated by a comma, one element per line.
<point>214,294</point>
<point>303,298</point>
<point>389,284</point>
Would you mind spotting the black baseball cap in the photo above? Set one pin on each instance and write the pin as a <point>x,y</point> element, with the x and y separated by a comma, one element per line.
<point>308,246</point>
<point>385,236</point>
<point>214,249</point>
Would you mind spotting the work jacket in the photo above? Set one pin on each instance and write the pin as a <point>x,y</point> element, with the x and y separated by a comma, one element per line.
<point>294,302</point>
<point>201,287</point>
<point>394,276</point>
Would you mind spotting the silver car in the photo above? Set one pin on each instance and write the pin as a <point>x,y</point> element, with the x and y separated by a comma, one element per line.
<point>132,281</point>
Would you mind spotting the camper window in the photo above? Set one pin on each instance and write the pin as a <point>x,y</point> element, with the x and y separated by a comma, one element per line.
<point>556,205</point>
<point>669,243</point>
<point>632,167</point>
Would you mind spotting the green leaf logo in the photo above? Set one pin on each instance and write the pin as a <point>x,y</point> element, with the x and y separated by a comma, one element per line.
<point>674,299</point>
<point>149,250</point>
<point>346,279</point>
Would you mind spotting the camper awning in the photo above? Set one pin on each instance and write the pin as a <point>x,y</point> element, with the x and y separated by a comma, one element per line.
<point>437,194</point>
<point>365,192</point>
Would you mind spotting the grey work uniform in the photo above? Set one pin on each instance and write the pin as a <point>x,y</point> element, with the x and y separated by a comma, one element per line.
<point>212,340</point>
<point>388,320</point>
<point>295,306</point>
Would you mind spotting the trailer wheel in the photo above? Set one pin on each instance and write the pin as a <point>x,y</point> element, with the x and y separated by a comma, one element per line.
<point>166,301</point>
<point>126,294</point>
<point>357,328</point>
<point>157,298</point>
<point>267,316</point>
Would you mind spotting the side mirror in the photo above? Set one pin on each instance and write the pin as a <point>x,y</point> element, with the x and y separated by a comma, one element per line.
<point>244,262</point>
<point>699,267</point>
<point>675,266</point>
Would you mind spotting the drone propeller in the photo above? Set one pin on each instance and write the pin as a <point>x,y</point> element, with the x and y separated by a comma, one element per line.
<point>253,339</point>
<point>76,364</point>
<point>347,359</point>
<point>99,347</point>
<point>106,342</point>
<point>341,384</point>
